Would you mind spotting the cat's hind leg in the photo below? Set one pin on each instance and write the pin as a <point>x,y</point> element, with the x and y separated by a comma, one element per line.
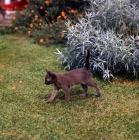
<point>85,88</point>
<point>95,85</point>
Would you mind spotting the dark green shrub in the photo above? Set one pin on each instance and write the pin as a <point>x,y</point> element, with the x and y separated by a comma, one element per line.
<point>43,20</point>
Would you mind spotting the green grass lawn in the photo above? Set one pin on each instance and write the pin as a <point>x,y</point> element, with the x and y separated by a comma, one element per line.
<point>25,115</point>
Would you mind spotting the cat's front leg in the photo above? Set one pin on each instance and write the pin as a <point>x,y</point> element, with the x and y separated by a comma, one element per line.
<point>67,93</point>
<point>53,95</point>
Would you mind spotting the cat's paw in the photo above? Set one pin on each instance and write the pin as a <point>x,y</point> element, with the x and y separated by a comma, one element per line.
<point>49,101</point>
<point>82,95</point>
<point>98,95</point>
<point>65,100</point>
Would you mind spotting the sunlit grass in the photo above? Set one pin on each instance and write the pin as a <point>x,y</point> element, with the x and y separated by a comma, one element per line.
<point>24,113</point>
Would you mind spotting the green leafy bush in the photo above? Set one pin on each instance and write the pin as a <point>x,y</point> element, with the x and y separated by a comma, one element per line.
<point>43,20</point>
<point>102,31</point>
<point>6,30</point>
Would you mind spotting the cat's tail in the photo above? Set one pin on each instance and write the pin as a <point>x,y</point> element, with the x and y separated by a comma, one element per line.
<point>87,65</point>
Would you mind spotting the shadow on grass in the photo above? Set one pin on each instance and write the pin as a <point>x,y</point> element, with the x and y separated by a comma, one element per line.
<point>74,95</point>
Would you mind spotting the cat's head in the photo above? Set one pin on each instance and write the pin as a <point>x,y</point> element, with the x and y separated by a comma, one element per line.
<point>50,77</point>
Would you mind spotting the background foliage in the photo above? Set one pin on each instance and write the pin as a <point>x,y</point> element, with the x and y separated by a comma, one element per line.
<point>108,28</point>
<point>110,31</point>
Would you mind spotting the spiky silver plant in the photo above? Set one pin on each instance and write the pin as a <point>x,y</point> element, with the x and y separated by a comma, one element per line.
<point>101,31</point>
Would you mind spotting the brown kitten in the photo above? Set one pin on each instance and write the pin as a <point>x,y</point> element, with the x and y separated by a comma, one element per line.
<point>64,81</point>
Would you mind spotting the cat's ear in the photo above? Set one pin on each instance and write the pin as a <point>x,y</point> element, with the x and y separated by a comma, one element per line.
<point>51,74</point>
<point>47,71</point>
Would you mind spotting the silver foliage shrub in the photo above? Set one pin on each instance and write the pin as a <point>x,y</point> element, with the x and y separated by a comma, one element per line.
<point>102,31</point>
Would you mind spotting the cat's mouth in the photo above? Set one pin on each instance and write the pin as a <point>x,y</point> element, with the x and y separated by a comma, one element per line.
<point>48,82</point>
